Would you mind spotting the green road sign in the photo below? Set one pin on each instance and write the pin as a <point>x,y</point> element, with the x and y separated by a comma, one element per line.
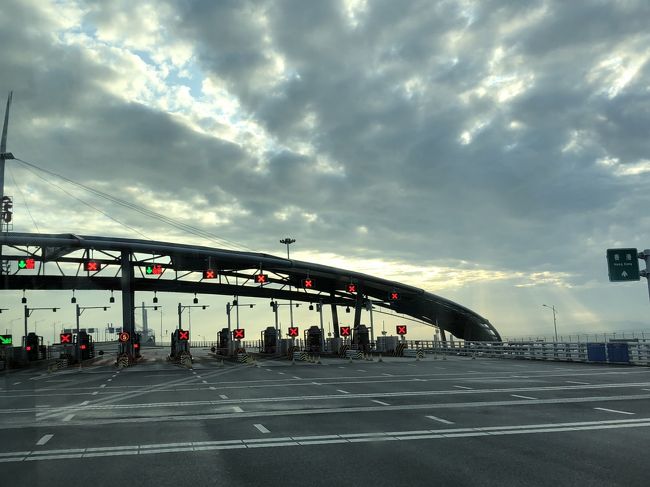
<point>5,340</point>
<point>623,265</point>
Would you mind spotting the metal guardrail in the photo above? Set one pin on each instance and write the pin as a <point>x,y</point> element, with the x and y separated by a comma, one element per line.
<point>633,353</point>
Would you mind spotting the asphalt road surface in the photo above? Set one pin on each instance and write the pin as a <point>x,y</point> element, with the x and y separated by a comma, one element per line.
<point>368,423</point>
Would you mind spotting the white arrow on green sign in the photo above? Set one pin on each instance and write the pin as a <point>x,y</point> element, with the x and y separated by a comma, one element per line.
<point>623,265</point>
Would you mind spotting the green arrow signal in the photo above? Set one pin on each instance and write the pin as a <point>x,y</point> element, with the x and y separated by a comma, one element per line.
<point>22,264</point>
<point>5,340</point>
<point>149,270</point>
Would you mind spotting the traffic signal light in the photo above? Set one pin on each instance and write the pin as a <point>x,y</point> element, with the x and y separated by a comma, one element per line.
<point>308,283</point>
<point>83,346</point>
<point>6,340</point>
<point>293,331</point>
<point>209,274</point>
<point>124,337</point>
<point>261,278</point>
<point>238,334</point>
<point>92,266</point>
<point>65,337</point>
<point>136,345</point>
<point>26,263</point>
<point>351,287</point>
<point>184,335</point>
<point>153,269</point>
<point>401,329</point>
<point>393,296</point>
<point>7,209</point>
<point>345,331</point>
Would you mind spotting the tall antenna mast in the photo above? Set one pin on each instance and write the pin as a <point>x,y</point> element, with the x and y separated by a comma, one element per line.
<point>6,203</point>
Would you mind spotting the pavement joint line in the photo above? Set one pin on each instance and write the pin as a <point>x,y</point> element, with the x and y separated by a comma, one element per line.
<point>261,428</point>
<point>44,440</point>
<point>613,411</point>
<point>522,397</point>
<point>436,418</point>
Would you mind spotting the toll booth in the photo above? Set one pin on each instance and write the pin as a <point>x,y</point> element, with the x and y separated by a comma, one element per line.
<point>180,345</point>
<point>86,345</point>
<point>313,339</point>
<point>361,338</point>
<point>223,339</point>
<point>269,340</point>
<point>387,344</point>
<point>33,346</point>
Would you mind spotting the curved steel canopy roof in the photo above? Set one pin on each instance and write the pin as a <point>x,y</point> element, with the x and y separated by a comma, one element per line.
<point>183,266</point>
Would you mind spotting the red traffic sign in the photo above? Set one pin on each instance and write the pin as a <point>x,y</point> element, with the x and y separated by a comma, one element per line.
<point>184,335</point>
<point>293,331</point>
<point>238,334</point>
<point>92,266</point>
<point>401,329</point>
<point>124,337</point>
<point>345,331</point>
<point>393,296</point>
<point>261,278</point>
<point>65,337</point>
<point>308,283</point>
<point>209,274</point>
<point>351,287</point>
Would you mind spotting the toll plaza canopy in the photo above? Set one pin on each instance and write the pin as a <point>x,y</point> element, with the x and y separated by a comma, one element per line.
<point>67,261</point>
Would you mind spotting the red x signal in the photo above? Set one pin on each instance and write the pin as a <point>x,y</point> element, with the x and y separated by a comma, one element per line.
<point>184,335</point>
<point>393,296</point>
<point>352,288</point>
<point>345,331</point>
<point>65,337</point>
<point>401,329</point>
<point>293,331</point>
<point>91,266</point>
<point>307,283</point>
<point>261,278</point>
<point>124,337</point>
<point>209,274</point>
<point>238,334</point>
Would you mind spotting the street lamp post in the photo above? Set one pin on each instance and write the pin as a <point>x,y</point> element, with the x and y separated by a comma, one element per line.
<point>288,241</point>
<point>554,319</point>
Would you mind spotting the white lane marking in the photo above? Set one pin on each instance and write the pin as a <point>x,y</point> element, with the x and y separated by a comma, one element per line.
<point>44,440</point>
<point>68,417</point>
<point>43,455</point>
<point>261,428</point>
<point>16,383</point>
<point>213,388</point>
<point>268,370</point>
<point>223,396</point>
<point>576,382</point>
<point>613,411</point>
<point>522,397</point>
<point>204,381</point>
<point>380,402</point>
<point>387,375</point>
<point>360,370</point>
<point>436,418</point>
<point>463,387</point>
<point>341,367</point>
<point>317,383</point>
<point>102,386</point>
<point>342,391</point>
<point>237,409</point>
<point>296,377</point>
<point>411,365</point>
<point>109,380</point>
<point>94,393</point>
<point>281,373</point>
<point>85,403</point>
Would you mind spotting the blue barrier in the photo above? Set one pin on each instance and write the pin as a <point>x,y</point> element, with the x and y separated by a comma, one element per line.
<point>618,353</point>
<point>596,352</point>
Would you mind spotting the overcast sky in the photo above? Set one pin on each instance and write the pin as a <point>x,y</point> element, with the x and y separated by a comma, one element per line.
<point>488,151</point>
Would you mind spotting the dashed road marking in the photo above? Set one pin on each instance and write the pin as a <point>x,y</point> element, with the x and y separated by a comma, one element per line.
<point>387,375</point>
<point>110,380</point>
<point>95,393</point>
<point>342,391</point>
<point>223,396</point>
<point>296,377</point>
<point>436,418</point>
<point>613,411</point>
<point>204,381</point>
<point>360,370</point>
<point>237,409</point>
<point>68,417</point>
<point>16,383</point>
<point>102,386</point>
<point>213,388</point>
<point>85,403</point>
<point>44,440</point>
<point>463,387</point>
<point>268,370</point>
<point>576,382</point>
<point>317,383</point>
<point>380,402</point>
<point>281,373</point>
<point>522,397</point>
<point>261,428</point>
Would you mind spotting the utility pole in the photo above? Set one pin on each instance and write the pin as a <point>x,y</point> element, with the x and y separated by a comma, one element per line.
<point>288,241</point>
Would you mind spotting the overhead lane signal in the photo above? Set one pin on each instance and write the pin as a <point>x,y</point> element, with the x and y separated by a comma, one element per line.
<point>209,274</point>
<point>26,263</point>
<point>351,288</point>
<point>308,283</point>
<point>184,335</point>
<point>65,337</point>
<point>393,296</point>
<point>261,279</point>
<point>124,337</point>
<point>293,331</point>
<point>401,329</point>
<point>238,334</point>
<point>345,331</point>
<point>154,269</point>
<point>92,266</point>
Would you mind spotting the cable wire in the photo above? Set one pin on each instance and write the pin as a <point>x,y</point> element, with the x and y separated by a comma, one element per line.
<point>22,195</point>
